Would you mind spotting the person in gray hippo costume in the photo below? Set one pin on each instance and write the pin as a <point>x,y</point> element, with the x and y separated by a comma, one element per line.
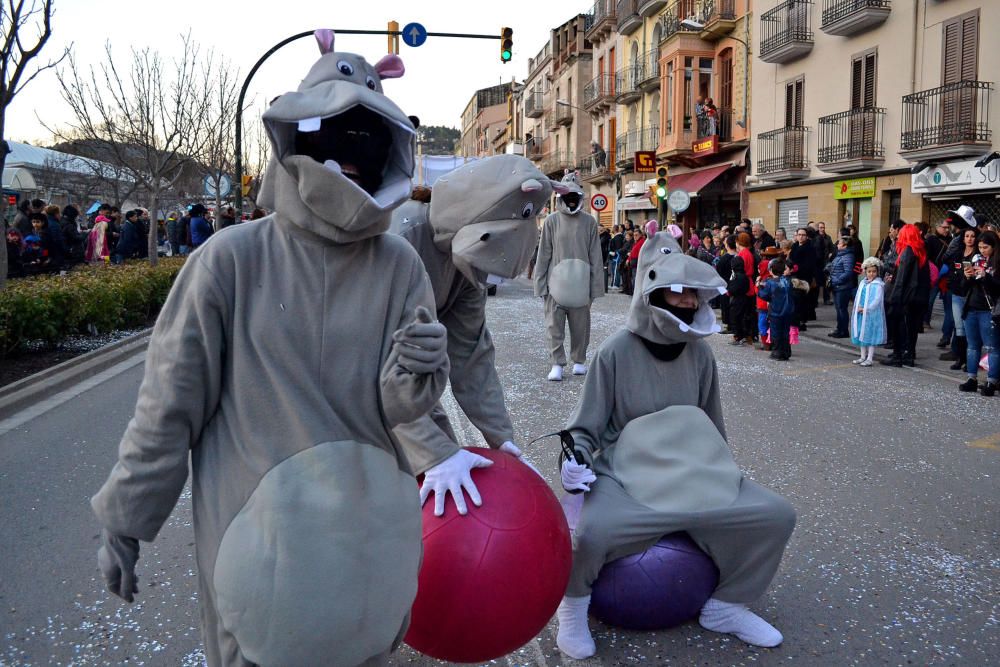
<point>569,275</point>
<point>649,430</point>
<point>285,354</point>
<point>480,221</point>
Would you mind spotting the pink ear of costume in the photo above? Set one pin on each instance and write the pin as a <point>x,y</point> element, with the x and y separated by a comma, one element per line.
<point>390,67</point>
<point>559,187</point>
<point>651,227</point>
<point>324,38</point>
<point>675,231</point>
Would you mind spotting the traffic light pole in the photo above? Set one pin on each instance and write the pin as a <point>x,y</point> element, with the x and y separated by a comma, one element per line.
<point>253,70</point>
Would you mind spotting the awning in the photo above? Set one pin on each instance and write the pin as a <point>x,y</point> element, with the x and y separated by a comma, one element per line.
<point>693,181</point>
<point>634,203</point>
<point>18,179</point>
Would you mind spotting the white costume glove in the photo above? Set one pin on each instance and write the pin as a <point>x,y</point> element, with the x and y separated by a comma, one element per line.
<point>422,345</point>
<point>511,448</point>
<point>452,475</point>
<point>576,476</point>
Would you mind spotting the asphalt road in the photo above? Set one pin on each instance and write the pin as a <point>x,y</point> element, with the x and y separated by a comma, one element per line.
<point>895,559</point>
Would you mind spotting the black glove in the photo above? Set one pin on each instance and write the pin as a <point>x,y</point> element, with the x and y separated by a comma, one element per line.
<point>117,558</point>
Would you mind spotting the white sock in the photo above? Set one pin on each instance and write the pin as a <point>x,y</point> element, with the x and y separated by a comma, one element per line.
<point>556,373</point>
<point>871,352</point>
<point>579,369</point>
<point>735,619</point>
<point>573,637</point>
<point>864,349</point>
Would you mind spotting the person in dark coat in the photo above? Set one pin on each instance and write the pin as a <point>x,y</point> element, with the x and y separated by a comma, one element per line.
<point>843,284</point>
<point>910,293</point>
<point>129,240</point>
<point>15,246</point>
<point>724,267</point>
<point>22,221</point>
<point>825,251</point>
<point>73,239</point>
<point>761,239</point>
<point>937,242</point>
<point>804,267</point>
<point>605,237</point>
<point>200,227</point>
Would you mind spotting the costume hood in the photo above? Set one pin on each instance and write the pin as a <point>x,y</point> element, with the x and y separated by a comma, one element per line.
<point>339,100</point>
<point>484,213</point>
<point>571,182</point>
<point>662,264</point>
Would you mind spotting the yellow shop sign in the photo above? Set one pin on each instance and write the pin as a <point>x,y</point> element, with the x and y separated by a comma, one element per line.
<point>855,188</point>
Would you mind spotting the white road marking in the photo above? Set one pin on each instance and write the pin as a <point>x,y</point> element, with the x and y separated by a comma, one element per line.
<point>40,408</point>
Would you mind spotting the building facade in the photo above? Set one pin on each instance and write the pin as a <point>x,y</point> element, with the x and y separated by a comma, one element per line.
<point>705,86</point>
<point>568,127</point>
<point>485,116</point>
<point>869,111</point>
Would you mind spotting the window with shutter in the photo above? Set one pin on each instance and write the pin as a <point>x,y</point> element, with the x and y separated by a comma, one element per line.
<point>959,62</point>
<point>793,137</point>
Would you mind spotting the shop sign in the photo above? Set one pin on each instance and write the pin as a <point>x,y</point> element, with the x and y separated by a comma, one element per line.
<point>855,188</point>
<point>707,146</point>
<point>645,162</point>
<point>956,176</point>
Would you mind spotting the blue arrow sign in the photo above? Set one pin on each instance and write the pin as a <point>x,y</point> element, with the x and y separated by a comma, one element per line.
<point>414,34</point>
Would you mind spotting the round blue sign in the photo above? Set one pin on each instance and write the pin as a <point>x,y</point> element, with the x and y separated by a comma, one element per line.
<point>414,34</point>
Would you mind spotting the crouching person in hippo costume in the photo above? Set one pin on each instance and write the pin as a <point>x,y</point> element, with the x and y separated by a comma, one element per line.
<point>480,221</point>
<point>284,356</point>
<point>656,461</point>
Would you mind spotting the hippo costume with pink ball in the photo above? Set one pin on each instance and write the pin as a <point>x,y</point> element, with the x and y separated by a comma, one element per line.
<point>286,353</point>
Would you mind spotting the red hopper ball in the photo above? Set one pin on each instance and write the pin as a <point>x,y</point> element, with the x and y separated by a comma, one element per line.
<point>491,580</point>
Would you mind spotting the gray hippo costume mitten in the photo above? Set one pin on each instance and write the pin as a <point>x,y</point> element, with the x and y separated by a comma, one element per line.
<point>481,220</point>
<point>569,275</point>
<point>286,352</point>
<point>657,461</point>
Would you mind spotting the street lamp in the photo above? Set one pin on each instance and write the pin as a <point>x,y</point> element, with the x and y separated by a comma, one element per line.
<point>693,25</point>
<point>564,103</point>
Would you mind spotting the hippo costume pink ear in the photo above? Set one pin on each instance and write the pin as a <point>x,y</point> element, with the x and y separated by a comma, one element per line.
<point>390,67</point>
<point>324,38</point>
<point>675,231</point>
<point>559,187</point>
<point>651,226</point>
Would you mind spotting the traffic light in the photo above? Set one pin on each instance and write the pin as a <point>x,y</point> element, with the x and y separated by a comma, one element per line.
<point>506,44</point>
<point>245,185</point>
<point>661,182</point>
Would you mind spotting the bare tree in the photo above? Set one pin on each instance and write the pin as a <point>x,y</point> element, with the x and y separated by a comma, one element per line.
<point>221,82</point>
<point>149,118</point>
<point>256,153</point>
<point>85,178</point>
<point>24,30</point>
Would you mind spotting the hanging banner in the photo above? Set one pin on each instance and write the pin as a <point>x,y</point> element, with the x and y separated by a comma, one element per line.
<point>855,188</point>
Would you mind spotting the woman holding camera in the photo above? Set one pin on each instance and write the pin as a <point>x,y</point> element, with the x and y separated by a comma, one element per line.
<point>956,258</point>
<point>982,289</point>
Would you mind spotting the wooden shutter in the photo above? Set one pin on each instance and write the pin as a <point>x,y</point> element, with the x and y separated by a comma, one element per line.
<point>857,82</point>
<point>726,85</point>
<point>960,49</point>
<point>868,98</point>
<point>793,103</point>
<point>970,47</point>
<point>799,92</point>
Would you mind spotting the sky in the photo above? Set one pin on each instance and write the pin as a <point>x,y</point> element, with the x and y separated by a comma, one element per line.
<point>441,75</point>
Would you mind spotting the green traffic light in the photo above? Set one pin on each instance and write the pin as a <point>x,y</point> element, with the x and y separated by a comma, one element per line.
<point>505,55</point>
<point>661,192</point>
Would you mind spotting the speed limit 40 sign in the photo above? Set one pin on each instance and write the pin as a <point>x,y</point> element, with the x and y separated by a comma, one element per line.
<point>599,202</point>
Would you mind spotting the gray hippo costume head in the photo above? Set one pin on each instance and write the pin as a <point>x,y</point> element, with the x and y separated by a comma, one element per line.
<point>484,212</point>
<point>571,201</point>
<point>342,151</point>
<point>664,266</point>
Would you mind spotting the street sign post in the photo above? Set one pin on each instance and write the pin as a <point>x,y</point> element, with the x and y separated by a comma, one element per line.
<point>598,202</point>
<point>414,34</point>
<point>678,200</point>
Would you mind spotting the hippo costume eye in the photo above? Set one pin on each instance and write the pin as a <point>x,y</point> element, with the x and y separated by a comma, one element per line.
<point>345,68</point>
<point>652,274</point>
<point>528,209</point>
<point>370,82</point>
<point>666,251</point>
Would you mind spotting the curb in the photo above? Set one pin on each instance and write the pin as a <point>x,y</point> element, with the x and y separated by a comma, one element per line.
<point>17,395</point>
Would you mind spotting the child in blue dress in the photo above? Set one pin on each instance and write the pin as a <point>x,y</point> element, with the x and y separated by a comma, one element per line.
<point>868,320</point>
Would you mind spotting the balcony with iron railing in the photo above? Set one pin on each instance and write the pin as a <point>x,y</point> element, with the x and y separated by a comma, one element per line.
<point>947,122</point>
<point>849,17</point>
<point>718,18</point>
<point>556,162</point>
<point>649,79</point>
<point>596,167</point>
<point>718,123</point>
<point>536,149</point>
<point>628,16</point>
<point>534,104</point>
<point>648,8</point>
<point>851,140</point>
<point>627,82</point>
<point>786,31</point>
<point>599,92</point>
<point>605,20</point>
<point>549,121</point>
<point>670,19</point>
<point>782,154</point>
<point>633,141</point>
<point>563,114</point>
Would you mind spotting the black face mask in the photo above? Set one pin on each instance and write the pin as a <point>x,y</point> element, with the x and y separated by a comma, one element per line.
<point>357,136</point>
<point>571,199</point>
<point>658,298</point>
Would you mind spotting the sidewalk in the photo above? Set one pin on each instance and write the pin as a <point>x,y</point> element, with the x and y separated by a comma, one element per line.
<point>927,353</point>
